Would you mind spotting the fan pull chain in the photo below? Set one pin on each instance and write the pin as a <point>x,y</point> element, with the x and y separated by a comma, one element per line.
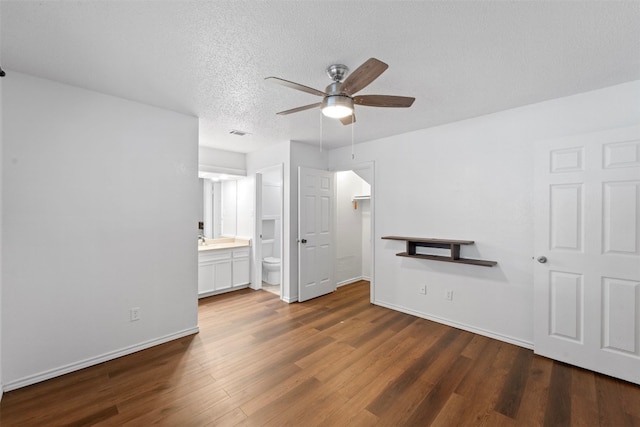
<point>353,124</point>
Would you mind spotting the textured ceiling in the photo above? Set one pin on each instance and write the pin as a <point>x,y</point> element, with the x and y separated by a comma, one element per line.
<point>209,59</point>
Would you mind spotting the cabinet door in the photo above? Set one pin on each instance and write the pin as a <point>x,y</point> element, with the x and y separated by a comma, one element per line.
<point>241,271</point>
<point>214,271</point>
<point>241,267</point>
<point>222,275</point>
<point>206,271</point>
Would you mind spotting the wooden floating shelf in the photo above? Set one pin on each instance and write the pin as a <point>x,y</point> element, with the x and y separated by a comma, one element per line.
<point>453,245</point>
<point>479,262</point>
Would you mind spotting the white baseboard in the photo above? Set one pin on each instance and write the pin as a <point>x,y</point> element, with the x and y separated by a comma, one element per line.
<point>464,327</point>
<point>290,300</point>
<point>352,280</point>
<point>43,376</point>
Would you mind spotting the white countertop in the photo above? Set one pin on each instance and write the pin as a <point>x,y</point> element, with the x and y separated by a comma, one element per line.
<point>223,243</point>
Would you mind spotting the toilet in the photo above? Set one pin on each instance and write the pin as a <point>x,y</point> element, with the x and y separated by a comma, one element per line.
<point>271,270</point>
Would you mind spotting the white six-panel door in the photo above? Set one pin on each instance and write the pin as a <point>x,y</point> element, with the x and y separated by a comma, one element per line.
<point>315,233</point>
<point>587,241</point>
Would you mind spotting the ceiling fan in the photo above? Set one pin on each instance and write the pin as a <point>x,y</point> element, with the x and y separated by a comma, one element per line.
<point>338,98</point>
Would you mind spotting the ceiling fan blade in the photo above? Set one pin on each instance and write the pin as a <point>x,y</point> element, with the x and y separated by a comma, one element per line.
<point>348,120</point>
<point>295,110</point>
<point>384,101</point>
<point>297,86</point>
<point>363,76</point>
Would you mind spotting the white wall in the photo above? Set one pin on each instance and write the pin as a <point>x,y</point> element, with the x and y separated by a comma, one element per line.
<point>473,180</point>
<point>100,208</point>
<point>272,211</point>
<point>214,160</point>
<point>272,193</point>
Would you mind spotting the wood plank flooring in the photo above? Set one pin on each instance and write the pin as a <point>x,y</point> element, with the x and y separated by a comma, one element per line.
<point>333,361</point>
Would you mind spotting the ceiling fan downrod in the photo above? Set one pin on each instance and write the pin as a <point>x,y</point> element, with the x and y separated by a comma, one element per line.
<point>337,72</point>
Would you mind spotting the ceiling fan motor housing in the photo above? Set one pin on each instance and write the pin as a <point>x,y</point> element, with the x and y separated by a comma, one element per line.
<point>334,88</point>
<point>337,72</point>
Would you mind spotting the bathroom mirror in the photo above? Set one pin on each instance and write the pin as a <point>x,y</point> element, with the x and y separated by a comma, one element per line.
<point>219,204</point>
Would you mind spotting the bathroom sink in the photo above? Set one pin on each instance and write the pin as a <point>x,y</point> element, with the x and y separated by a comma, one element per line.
<point>223,243</point>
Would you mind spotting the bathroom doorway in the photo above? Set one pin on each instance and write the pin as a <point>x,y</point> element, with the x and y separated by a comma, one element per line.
<point>269,231</point>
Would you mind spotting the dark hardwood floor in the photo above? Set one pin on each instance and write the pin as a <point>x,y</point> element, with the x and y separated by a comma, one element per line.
<point>333,361</point>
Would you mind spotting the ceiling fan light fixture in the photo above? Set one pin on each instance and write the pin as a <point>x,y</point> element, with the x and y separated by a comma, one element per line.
<point>339,98</point>
<point>337,106</point>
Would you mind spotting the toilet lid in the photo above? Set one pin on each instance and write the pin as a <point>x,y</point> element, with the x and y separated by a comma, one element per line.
<point>272,260</point>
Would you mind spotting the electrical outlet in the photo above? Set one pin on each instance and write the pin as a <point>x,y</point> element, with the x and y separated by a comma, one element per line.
<point>134,314</point>
<point>423,289</point>
<point>448,295</point>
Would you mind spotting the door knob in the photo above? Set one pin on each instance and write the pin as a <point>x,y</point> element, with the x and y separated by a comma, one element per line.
<point>542,259</point>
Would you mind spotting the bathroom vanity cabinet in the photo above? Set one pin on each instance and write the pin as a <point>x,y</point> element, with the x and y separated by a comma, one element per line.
<point>223,270</point>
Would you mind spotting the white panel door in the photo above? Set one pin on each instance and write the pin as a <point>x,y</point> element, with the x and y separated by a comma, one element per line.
<point>315,233</point>
<point>587,240</point>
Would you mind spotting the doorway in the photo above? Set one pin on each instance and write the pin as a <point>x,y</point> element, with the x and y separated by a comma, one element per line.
<point>354,225</point>
<point>324,265</point>
<point>269,229</point>
<point>353,228</point>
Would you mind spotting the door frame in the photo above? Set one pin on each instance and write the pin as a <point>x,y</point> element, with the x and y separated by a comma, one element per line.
<point>370,165</point>
<point>257,270</point>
